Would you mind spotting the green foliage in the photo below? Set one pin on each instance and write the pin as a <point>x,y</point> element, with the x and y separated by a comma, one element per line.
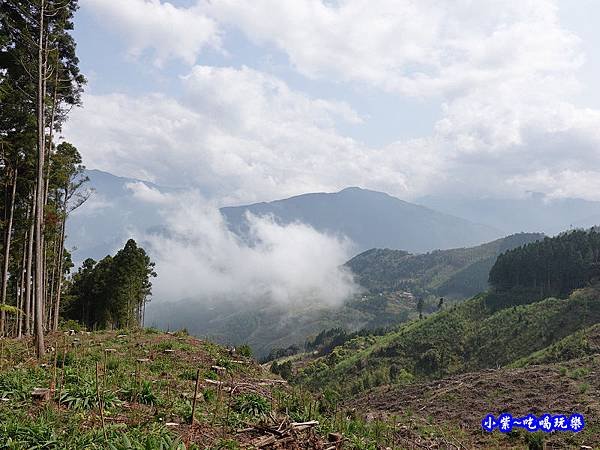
<point>65,359</point>
<point>9,309</point>
<point>252,405</point>
<point>284,370</point>
<point>535,441</point>
<point>469,336</point>
<point>66,325</point>
<point>551,267</point>
<point>18,384</point>
<point>141,392</point>
<point>82,395</point>
<point>112,292</point>
<point>244,350</point>
<point>457,273</point>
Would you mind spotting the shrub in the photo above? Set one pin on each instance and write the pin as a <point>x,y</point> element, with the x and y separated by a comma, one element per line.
<point>141,393</point>
<point>82,395</point>
<point>252,405</point>
<point>244,350</point>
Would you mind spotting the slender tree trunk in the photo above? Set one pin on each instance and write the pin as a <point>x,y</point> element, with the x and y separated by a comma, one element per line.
<point>51,131</point>
<point>39,209</point>
<point>21,295</point>
<point>61,250</point>
<point>52,286</point>
<point>7,241</point>
<point>49,280</point>
<point>29,277</point>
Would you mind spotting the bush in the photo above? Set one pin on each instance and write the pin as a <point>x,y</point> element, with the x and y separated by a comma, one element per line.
<point>82,396</point>
<point>141,393</point>
<point>244,350</point>
<point>70,324</point>
<point>69,357</point>
<point>284,370</point>
<point>252,405</point>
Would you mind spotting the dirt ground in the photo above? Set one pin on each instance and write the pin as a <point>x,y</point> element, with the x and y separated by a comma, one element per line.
<point>459,403</point>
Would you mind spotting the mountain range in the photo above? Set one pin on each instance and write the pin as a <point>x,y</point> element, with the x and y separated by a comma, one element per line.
<point>370,219</point>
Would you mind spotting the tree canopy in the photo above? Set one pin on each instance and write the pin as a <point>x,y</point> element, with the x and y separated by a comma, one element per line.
<point>113,292</point>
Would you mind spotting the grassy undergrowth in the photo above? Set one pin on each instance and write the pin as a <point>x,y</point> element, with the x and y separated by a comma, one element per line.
<point>141,385</point>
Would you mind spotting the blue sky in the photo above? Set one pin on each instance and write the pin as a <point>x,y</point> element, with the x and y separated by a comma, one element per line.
<point>258,100</point>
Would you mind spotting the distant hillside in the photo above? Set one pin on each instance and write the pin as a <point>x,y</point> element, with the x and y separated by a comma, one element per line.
<point>551,267</point>
<point>394,280</point>
<point>466,337</point>
<point>456,273</point>
<point>265,326</point>
<point>535,212</point>
<point>371,219</point>
<point>493,329</point>
<point>105,222</point>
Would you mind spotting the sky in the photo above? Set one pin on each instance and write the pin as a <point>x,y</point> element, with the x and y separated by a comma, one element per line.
<point>259,100</point>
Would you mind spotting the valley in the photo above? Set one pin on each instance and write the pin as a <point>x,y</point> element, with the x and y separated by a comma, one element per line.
<point>299,225</point>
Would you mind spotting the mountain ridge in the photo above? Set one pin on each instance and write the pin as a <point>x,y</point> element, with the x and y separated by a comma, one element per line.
<point>369,218</point>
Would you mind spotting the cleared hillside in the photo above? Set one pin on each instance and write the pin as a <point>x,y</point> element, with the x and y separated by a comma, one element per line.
<point>459,403</point>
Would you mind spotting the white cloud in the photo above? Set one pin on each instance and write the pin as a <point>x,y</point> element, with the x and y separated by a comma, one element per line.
<point>240,135</point>
<point>414,48</point>
<point>505,73</point>
<point>142,192</point>
<point>167,31</point>
<point>285,264</point>
<point>237,134</point>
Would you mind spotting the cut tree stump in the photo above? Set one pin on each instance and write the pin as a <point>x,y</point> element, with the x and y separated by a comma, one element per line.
<point>334,437</point>
<point>40,394</point>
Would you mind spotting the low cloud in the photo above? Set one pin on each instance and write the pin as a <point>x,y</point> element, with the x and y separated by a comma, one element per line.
<point>198,258</point>
<point>142,192</point>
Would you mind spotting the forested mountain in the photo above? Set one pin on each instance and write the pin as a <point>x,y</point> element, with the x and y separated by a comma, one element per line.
<point>551,267</point>
<point>370,219</point>
<point>467,337</point>
<point>493,329</point>
<point>456,273</point>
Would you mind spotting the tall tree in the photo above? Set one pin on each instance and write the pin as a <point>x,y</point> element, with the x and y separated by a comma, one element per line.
<point>40,82</point>
<point>113,292</point>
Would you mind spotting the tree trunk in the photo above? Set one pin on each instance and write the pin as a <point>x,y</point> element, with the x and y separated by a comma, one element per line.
<point>39,207</point>
<point>61,250</point>
<point>7,241</point>
<point>50,325</point>
<point>21,294</point>
<point>29,278</point>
